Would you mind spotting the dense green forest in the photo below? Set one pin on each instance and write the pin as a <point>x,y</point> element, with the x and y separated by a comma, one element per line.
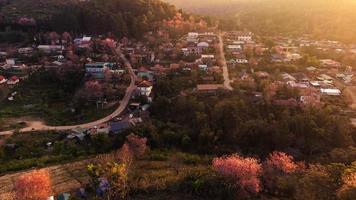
<point>121,17</point>
<point>325,19</point>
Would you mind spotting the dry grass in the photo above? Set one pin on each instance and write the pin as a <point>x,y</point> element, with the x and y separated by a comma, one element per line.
<point>146,176</point>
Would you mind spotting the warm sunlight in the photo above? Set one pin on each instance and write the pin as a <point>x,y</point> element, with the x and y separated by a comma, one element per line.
<point>177,99</point>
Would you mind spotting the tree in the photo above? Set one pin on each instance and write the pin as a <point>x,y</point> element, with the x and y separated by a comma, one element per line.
<point>243,172</point>
<point>276,173</point>
<point>35,185</point>
<point>137,145</point>
<point>110,179</point>
<point>280,162</point>
<point>348,189</point>
<point>109,175</point>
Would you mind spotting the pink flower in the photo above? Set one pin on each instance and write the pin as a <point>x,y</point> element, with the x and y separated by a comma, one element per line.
<point>244,172</point>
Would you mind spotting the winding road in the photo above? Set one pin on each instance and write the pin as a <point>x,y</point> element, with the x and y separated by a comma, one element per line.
<point>40,126</point>
<point>227,81</point>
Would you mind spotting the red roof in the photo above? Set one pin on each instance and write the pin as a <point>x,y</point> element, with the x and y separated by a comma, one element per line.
<point>145,84</point>
<point>142,69</point>
<point>2,77</point>
<point>14,78</point>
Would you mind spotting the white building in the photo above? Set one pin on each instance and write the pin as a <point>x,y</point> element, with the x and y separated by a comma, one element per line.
<point>145,88</point>
<point>234,47</point>
<point>244,36</point>
<point>330,91</point>
<point>193,37</point>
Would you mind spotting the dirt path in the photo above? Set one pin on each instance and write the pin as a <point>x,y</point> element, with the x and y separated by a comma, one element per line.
<point>40,126</point>
<point>350,95</point>
<point>227,81</point>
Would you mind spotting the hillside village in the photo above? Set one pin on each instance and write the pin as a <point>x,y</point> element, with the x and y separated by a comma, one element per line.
<point>107,85</point>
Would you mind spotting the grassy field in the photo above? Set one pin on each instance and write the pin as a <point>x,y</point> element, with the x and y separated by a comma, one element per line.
<point>156,176</point>
<point>45,97</point>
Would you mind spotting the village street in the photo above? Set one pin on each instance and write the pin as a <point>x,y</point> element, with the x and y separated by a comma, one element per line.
<point>227,81</point>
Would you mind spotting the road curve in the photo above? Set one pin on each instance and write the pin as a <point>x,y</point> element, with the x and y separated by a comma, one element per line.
<point>37,126</point>
<point>227,81</point>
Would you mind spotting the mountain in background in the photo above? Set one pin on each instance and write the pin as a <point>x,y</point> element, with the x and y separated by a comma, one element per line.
<point>329,19</point>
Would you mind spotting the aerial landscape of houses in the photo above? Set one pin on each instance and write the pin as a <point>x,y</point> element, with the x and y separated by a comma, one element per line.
<point>175,99</point>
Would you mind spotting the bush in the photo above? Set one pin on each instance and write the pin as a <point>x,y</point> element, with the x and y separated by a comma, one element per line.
<point>207,184</point>
<point>190,159</point>
<point>158,156</point>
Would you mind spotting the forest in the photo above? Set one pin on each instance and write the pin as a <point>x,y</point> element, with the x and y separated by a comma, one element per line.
<point>119,17</point>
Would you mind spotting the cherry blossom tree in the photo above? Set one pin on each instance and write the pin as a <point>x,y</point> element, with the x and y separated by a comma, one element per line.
<point>137,145</point>
<point>66,37</point>
<point>35,185</point>
<point>278,171</point>
<point>280,162</point>
<point>93,89</point>
<point>53,36</point>
<point>243,172</point>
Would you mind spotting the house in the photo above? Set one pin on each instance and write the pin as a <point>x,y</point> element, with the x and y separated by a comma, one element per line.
<point>311,69</point>
<point>145,88</point>
<point>330,63</point>
<point>261,74</point>
<point>203,67</point>
<point>25,50</point>
<point>240,43</point>
<point>285,102</point>
<point>77,134</point>
<point>203,45</point>
<point>208,58</point>
<point>293,56</point>
<point>313,100</point>
<point>191,50</point>
<point>241,59</point>
<point>118,127</point>
<point>84,42</point>
<point>215,69</point>
<point>244,36</point>
<point>330,91</point>
<point>209,88</point>
<point>54,65</point>
<point>324,77</point>
<point>297,85</point>
<point>97,69</point>
<point>51,49</point>
<point>103,129</point>
<point>234,48</point>
<point>2,79</point>
<point>277,58</point>
<point>193,37</point>
<point>13,80</point>
<point>144,73</point>
<point>174,66</point>
<point>287,77</point>
<point>232,62</point>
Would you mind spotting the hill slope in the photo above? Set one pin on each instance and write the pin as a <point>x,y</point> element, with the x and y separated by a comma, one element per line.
<point>122,17</point>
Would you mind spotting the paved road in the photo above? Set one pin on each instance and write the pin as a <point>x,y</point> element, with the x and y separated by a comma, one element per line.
<point>227,81</point>
<point>40,126</point>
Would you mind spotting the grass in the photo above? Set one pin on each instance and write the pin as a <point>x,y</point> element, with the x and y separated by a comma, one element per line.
<point>148,179</point>
<point>44,96</point>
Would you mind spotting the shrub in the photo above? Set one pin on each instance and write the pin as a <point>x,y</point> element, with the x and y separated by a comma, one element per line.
<point>207,184</point>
